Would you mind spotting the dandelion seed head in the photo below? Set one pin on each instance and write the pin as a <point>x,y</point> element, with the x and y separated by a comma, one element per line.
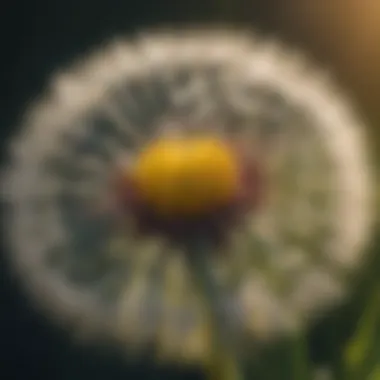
<point>288,259</point>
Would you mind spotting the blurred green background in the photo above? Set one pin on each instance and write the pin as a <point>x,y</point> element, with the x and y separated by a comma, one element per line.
<point>41,36</point>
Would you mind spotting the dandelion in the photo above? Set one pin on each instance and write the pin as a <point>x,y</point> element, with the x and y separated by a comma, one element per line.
<point>175,134</point>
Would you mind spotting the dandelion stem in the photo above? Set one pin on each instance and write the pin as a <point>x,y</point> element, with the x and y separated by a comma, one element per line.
<point>223,362</point>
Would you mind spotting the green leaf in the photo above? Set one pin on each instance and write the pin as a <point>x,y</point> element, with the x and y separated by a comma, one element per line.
<point>361,351</point>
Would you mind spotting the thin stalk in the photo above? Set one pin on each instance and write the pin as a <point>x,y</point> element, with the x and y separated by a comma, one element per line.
<point>223,362</point>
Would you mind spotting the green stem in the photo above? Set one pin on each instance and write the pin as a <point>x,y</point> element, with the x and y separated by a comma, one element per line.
<point>224,364</point>
<point>301,358</point>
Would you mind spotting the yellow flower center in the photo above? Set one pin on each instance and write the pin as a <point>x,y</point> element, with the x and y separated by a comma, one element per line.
<point>186,177</point>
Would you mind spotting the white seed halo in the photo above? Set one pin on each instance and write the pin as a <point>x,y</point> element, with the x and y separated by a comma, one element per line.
<point>288,263</point>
